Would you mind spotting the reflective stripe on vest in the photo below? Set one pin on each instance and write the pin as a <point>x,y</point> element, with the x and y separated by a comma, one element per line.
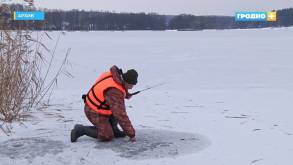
<point>95,97</point>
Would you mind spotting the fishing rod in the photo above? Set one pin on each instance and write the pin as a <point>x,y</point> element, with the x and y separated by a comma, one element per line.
<point>137,92</point>
<point>148,88</point>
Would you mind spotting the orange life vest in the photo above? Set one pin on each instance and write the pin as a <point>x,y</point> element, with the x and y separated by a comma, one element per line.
<point>95,97</point>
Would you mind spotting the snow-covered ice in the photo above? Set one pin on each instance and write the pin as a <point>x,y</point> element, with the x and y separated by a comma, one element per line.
<point>227,100</point>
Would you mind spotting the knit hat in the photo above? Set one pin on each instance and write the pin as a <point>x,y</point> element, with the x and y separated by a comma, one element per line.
<point>130,76</point>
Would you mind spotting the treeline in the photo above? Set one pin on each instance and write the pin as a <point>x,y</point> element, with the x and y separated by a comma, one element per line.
<point>186,22</point>
<point>84,20</point>
<point>98,20</point>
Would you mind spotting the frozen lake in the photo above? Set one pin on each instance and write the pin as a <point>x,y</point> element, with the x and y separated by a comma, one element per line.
<point>227,100</point>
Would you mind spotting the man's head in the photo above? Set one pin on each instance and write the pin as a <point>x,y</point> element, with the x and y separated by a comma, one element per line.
<point>130,78</point>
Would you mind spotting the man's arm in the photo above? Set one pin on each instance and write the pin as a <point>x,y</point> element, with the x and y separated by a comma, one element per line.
<point>115,99</point>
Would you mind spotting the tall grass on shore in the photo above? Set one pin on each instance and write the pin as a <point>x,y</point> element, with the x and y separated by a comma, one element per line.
<point>27,78</point>
<point>24,70</point>
<point>25,66</point>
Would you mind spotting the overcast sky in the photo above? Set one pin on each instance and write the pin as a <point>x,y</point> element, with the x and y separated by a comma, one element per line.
<point>196,7</point>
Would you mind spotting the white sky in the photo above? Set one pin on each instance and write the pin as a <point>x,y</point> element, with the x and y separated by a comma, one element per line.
<point>196,7</point>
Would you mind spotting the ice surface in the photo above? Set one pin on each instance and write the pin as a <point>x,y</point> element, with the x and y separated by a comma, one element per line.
<point>157,144</point>
<point>228,95</point>
<point>30,148</point>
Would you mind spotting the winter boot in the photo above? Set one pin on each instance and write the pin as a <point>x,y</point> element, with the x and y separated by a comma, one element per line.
<point>76,132</point>
<point>116,131</point>
<point>90,131</point>
<point>80,130</point>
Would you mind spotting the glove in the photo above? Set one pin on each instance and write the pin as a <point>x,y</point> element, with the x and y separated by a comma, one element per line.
<point>133,139</point>
<point>128,96</point>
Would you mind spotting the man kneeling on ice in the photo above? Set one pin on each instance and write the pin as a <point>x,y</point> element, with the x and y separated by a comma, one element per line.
<point>105,107</point>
